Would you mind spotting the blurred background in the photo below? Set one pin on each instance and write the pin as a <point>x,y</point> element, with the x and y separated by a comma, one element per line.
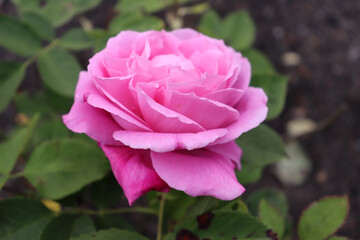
<point>317,44</point>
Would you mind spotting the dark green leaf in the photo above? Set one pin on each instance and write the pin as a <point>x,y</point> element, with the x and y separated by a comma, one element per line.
<point>271,218</point>
<point>337,238</point>
<point>113,221</point>
<point>249,173</point>
<point>211,25</point>
<point>106,192</point>
<point>100,38</point>
<point>11,74</point>
<point>274,197</point>
<point>323,218</point>
<point>261,146</point>
<point>220,225</point>
<point>60,167</point>
<point>18,37</point>
<point>134,21</point>
<point>40,25</point>
<point>59,71</point>
<point>239,29</point>
<point>260,64</point>
<point>66,226</point>
<point>275,88</point>
<point>76,39</point>
<point>22,219</point>
<point>146,5</point>
<point>111,234</point>
<point>202,205</point>
<point>29,105</point>
<point>11,149</point>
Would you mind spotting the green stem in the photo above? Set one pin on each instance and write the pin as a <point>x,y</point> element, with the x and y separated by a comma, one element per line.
<point>160,216</point>
<point>47,48</point>
<point>15,175</point>
<point>111,211</point>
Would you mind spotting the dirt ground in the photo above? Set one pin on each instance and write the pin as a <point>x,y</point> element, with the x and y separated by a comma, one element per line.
<point>326,36</point>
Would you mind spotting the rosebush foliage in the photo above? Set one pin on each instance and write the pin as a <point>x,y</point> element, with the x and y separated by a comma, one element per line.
<point>67,190</point>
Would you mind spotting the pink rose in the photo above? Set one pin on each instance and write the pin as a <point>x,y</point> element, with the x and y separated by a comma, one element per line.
<point>165,107</point>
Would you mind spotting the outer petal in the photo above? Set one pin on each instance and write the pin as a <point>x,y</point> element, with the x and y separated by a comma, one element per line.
<point>166,142</point>
<point>230,150</point>
<point>96,123</point>
<point>198,173</point>
<point>253,110</point>
<point>134,172</point>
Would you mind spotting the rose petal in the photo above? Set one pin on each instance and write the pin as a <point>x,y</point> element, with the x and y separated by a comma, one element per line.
<point>230,150</point>
<point>252,109</point>
<point>162,119</point>
<point>134,172</point>
<point>96,123</point>
<point>228,96</point>
<point>198,173</point>
<point>208,113</point>
<point>165,142</point>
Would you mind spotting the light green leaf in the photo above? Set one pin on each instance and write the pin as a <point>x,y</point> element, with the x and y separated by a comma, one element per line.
<point>18,37</point>
<point>274,86</point>
<point>11,75</point>
<point>337,238</point>
<point>76,39</point>
<point>59,71</point>
<point>40,25</point>
<point>239,29</point>
<point>22,219</point>
<point>323,218</point>
<point>60,167</point>
<point>220,225</point>
<point>260,64</point>
<point>11,149</point>
<point>134,21</point>
<point>271,218</point>
<point>276,198</point>
<point>111,234</point>
<point>211,24</point>
<point>67,226</point>
<point>261,146</point>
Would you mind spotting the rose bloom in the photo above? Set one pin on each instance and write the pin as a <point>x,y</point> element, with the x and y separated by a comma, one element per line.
<point>165,107</point>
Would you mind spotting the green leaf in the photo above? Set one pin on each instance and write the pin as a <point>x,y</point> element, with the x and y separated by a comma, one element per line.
<point>67,226</point>
<point>18,37</point>
<point>211,24</point>
<point>100,38</point>
<point>11,74</point>
<point>323,218</point>
<point>202,205</point>
<point>60,167</point>
<point>276,198</point>
<point>235,205</point>
<point>134,21</point>
<point>113,221</point>
<point>271,218</point>
<point>40,25</point>
<point>219,225</point>
<point>59,71</point>
<point>22,219</point>
<point>239,29</point>
<point>111,234</point>
<point>11,149</point>
<point>249,173</point>
<point>260,64</point>
<point>146,5</point>
<point>274,86</point>
<point>60,12</point>
<point>76,39</point>
<point>106,192</point>
<point>176,207</point>
<point>261,146</point>
<point>29,105</point>
<point>337,238</point>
